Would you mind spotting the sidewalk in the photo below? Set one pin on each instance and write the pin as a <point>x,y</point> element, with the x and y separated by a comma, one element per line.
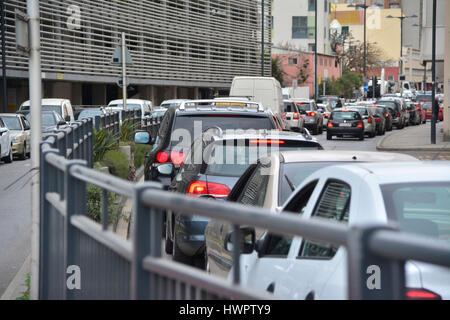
<point>415,139</point>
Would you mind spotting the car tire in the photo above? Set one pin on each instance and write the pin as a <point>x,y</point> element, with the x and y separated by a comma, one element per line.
<point>9,157</point>
<point>316,130</point>
<point>361,137</point>
<point>168,243</point>
<point>321,129</point>
<point>177,254</point>
<point>329,136</point>
<point>23,155</point>
<point>372,135</point>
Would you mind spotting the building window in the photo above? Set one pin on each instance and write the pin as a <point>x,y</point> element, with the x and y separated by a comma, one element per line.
<point>299,27</point>
<point>345,30</point>
<point>311,47</point>
<point>293,61</point>
<point>311,5</point>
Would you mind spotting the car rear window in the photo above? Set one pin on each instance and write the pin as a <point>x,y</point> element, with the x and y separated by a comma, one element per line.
<point>232,160</point>
<point>289,107</point>
<point>304,106</point>
<point>345,115</point>
<point>226,121</point>
<point>422,98</point>
<point>362,111</point>
<point>390,104</point>
<point>422,209</point>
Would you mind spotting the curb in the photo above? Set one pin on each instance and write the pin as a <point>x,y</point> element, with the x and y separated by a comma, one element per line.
<point>410,149</point>
<point>13,291</point>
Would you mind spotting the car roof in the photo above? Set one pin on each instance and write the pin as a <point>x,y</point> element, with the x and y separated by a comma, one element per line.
<point>174,101</point>
<point>404,172</point>
<point>11,115</point>
<point>344,156</point>
<point>120,101</point>
<point>49,102</point>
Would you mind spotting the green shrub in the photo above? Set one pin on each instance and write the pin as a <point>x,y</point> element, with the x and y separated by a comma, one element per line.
<point>117,162</point>
<point>94,194</point>
<point>127,131</point>
<point>140,151</point>
<point>103,142</point>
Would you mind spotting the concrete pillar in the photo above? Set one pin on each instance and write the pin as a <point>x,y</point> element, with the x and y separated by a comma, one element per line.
<point>153,96</point>
<point>61,90</point>
<point>196,97</point>
<point>99,94</point>
<point>77,94</point>
<point>447,77</point>
<point>175,92</point>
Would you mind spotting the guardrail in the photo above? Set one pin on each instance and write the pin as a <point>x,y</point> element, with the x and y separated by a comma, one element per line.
<point>112,268</point>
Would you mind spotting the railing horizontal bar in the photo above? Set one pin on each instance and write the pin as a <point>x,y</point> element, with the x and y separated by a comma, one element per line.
<point>199,279</point>
<point>57,161</point>
<point>402,246</point>
<point>55,201</point>
<point>284,223</point>
<point>105,181</point>
<point>107,238</point>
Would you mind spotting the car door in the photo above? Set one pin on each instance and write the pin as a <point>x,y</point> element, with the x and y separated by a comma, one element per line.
<point>3,140</point>
<point>317,262</point>
<point>268,269</point>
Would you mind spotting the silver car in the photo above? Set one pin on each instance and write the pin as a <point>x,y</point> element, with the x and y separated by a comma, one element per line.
<point>291,114</point>
<point>370,126</point>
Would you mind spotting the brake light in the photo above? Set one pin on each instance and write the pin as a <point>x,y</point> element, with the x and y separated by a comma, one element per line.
<point>177,158</point>
<point>311,114</point>
<point>330,124</point>
<point>326,115</point>
<point>417,107</point>
<point>296,116</point>
<point>266,141</point>
<point>377,120</point>
<point>387,115</point>
<point>162,157</point>
<point>208,188</point>
<point>370,119</point>
<point>360,125</point>
<point>421,294</point>
<point>398,114</point>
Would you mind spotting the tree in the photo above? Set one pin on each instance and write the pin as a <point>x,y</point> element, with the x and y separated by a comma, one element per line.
<point>343,86</point>
<point>277,71</point>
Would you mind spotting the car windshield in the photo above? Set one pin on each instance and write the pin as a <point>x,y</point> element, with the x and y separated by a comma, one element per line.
<point>424,97</point>
<point>170,104</point>
<point>130,106</point>
<point>89,113</point>
<point>48,120</point>
<point>362,111</point>
<point>183,133</point>
<point>427,105</point>
<point>423,209</point>
<point>12,123</point>
<point>233,160</point>
<point>346,115</point>
<point>293,174</point>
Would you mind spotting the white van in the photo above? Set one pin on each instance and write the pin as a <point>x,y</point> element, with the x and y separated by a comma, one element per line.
<point>61,106</point>
<point>145,106</point>
<point>260,89</point>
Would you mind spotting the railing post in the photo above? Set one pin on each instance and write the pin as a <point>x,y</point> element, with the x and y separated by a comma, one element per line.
<point>75,196</point>
<point>90,144</point>
<point>146,241</point>
<point>97,123</point>
<point>47,183</point>
<point>371,277</point>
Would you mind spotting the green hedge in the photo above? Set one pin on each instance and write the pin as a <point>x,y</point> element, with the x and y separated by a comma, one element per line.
<point>94,194</point>
<point>140,151</point>
<point>117,162</point>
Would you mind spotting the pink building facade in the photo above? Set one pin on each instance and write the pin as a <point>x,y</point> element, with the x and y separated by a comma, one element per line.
<point>300,67</point>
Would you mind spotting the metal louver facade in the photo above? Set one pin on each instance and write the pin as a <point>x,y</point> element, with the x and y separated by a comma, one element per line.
<point>172,42</point>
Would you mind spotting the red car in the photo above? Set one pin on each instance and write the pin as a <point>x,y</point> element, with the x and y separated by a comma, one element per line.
<point>428,108</point>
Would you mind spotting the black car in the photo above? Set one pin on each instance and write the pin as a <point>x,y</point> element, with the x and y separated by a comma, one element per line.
<point>345,122</point>
<point>398,118</point>
<point>211,169</point>
<point>182,125</point>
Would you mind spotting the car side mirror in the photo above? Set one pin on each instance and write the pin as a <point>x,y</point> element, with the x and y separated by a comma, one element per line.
<point>247,240</point>
<point>142,137</point>
<point>61,123</point>
<point>146,113</point>
<point>67,118</point>
<point>27,128</point>
<point>2,131</point>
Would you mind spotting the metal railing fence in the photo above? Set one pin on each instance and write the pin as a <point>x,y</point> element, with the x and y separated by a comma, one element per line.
<point>112,268</point>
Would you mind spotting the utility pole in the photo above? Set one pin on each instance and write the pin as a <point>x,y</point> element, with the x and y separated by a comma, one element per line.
<point>124,72</point>
<point>3,32</point>
<point>35,81</point>
<point>433,93</point>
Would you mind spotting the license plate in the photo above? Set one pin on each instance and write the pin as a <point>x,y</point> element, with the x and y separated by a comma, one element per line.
<point>345,125</point>
<point>288,118</point>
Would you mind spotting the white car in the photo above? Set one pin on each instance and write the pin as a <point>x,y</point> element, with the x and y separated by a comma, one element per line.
<point>144,106</point>
<point>414,197</point>
<point>61,106</point>
<point>6,148</point>
<point>172,103</point>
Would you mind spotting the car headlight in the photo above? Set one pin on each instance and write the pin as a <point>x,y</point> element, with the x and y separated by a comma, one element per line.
<point>17,139</point>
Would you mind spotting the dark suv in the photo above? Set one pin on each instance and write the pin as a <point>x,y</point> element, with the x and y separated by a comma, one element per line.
<point>345,122</point>
<point>212,167</point>
<point>181,126</point>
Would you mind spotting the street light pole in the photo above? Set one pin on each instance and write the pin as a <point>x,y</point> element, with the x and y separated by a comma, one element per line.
<point>433,92</point>
<point>365,44</point>
<point>262,39</point>
<point>316,84</point>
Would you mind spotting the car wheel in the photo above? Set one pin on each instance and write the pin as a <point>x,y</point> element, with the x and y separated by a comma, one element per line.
<point>329,136</point>
<point>361,137</point>
<point>321,129</point>
<point>178,255</point>
<point>372,134</point>
<point>168,242</point>
<point>9,157</point>
<point>316,130</point>
<point>23,156</point>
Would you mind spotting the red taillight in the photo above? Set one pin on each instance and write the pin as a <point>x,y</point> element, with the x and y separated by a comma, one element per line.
<point>377,120</point>
<point>208,188</point>
<point>266,141</point>
<point>311,114</point>
<point>398,114</point>
<point>360,125</point>
<point>330,124</point>
<point>162,157</point>
<point>326,115</point>
<point>387,115</point>
<point>296,116</point>
<point>370,119</point>
<point>421,294</point>
<point>417,108</point>
<point>177,158</point>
